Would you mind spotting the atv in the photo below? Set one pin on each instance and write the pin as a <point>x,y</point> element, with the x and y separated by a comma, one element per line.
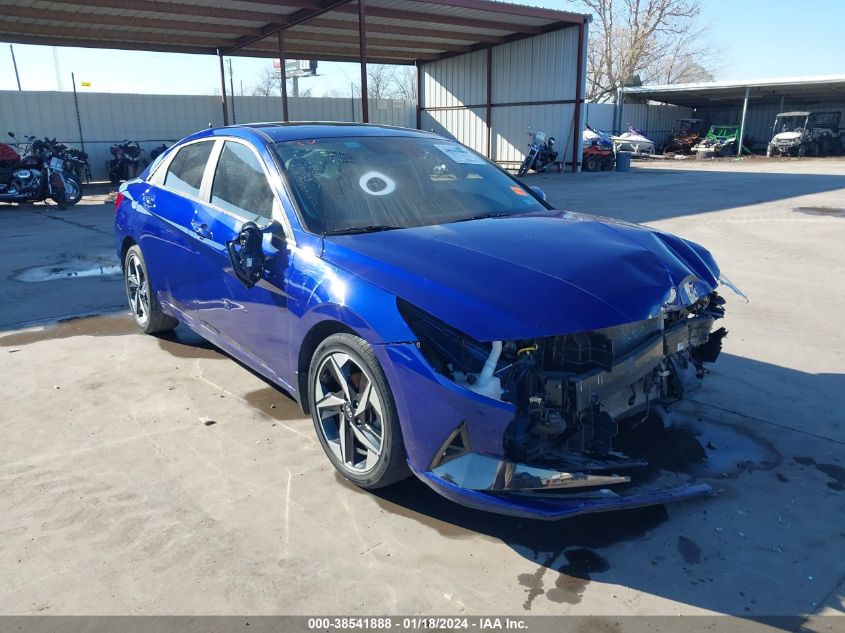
<point>685,134</point>
<point>597,153</point>
<point>720,140</point>
<point>805,134</point>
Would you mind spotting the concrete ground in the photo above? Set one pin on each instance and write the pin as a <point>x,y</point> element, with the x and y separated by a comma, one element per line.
<point>144,475</point>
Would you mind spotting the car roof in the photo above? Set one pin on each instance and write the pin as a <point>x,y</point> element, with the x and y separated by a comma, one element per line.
<point>272,132</point>
<point>794,113</point>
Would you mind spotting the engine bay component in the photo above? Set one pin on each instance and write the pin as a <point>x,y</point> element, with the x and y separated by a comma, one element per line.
<point>575,394</point>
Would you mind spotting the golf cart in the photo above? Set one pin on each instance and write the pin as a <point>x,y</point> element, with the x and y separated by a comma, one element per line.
<point>805,134</point>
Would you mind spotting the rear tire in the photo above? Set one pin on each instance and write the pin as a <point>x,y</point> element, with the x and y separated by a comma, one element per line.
<point>141,296</point>
<point>354,413</point>
<point>591,163</point>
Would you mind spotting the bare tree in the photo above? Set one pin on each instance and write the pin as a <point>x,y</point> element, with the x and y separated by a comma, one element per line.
<point>390,82</point>
<point>647,41</point>
<point>268,84</point>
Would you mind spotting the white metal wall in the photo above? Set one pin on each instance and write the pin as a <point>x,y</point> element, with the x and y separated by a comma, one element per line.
<point>541,68</point>
<point>155,119</point>
<point>655,120</point>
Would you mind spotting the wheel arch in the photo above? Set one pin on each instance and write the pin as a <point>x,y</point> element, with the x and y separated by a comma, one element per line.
<point>316,335</point>
<point>127,243</point>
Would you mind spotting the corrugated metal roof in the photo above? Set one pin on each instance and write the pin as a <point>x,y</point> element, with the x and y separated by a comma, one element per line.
<point>810,88</point>
<point>398,31</point>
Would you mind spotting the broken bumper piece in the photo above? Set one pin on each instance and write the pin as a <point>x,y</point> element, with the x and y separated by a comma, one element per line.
<point>498,485</point>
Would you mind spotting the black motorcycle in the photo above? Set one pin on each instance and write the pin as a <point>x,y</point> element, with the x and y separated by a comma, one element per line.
<point>158,151</point>
<point>541,154</point>
<point>35,174</point>
<point>126,156</point>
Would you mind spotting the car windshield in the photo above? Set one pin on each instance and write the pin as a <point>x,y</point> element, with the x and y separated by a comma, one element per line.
<point>370,183</point>
<point>790,123</point>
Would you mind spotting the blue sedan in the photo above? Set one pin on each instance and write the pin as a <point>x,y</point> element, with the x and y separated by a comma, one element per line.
<point>432,314</point>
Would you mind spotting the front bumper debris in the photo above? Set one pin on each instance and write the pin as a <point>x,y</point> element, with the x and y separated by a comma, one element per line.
<point>474,471</point>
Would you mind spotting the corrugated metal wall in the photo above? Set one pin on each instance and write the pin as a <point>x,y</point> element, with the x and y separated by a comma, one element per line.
<point>655,120</point>
<point>760,119</point>
<point>154,119</point>
<point>541,68</point>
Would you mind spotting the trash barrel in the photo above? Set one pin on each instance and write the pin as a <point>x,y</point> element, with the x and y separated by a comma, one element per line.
<point>623,161</point>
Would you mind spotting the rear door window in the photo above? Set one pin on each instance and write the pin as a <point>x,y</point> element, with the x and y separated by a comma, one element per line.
<point>184,175</point>
<point>240,185</point>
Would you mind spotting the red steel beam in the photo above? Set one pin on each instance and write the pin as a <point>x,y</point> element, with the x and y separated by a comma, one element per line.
<point>490,102</point>
<point>283,76</point>
<point>295,18</point>
<point>418,66</point>
<point>579,97</point>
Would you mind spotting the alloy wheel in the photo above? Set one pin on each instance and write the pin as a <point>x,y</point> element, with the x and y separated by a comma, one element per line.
<point>137,289</point>
<point>349,411</point>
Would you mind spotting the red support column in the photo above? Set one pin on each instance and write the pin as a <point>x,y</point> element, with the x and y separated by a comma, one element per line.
<point>490,102</point>
<point>283,76</point>
<point>362,40</point>
<point>579,97</point>
<point>223,91</point>
<point>419,94</point>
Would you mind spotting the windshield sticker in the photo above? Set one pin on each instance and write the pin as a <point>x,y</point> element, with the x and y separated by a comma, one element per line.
<point>518,191</point>
<point>460,154</point>
<point>377,184</point>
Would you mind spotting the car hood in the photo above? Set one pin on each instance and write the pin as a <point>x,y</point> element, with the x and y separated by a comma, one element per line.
<point>531,275</point>
<point>787,136</point>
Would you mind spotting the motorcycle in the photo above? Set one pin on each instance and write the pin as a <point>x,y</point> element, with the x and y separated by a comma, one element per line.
<point>158,151</point>
<point>36,175</point>
<point>126,155</point>
<point>541,154</point>
<point>76,162</point>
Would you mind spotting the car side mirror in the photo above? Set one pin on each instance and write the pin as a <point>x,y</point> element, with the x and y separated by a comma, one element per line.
<point>247,254</point>
<point>538,192</point>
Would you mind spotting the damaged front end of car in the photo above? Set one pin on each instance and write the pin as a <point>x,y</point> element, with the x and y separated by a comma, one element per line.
<point>569,402</point>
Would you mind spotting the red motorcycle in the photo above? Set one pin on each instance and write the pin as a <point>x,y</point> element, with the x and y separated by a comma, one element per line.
<point>36,176</point>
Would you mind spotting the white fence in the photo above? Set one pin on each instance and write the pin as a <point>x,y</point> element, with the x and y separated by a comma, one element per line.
<point>155,119</point>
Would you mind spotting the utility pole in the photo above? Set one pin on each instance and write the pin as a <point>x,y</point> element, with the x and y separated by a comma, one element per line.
<point>78,118</point>
<point>232,91</point>
<point>15,64</point>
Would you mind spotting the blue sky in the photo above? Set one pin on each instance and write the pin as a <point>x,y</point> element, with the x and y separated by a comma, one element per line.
<point>757,39</point>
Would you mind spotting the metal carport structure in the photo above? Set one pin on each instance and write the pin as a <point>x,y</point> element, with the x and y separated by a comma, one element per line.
<point>413,32</point>
<point>765,98</point>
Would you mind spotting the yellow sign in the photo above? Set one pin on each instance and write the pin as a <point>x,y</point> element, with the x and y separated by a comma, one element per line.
<point>86,84</point>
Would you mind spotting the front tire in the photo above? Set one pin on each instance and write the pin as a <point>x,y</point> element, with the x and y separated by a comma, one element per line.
<point>141,297</point>
<point>354,413</point>
<point>73,191</point>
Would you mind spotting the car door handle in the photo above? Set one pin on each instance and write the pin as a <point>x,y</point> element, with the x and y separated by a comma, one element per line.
<point>200,228</point>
